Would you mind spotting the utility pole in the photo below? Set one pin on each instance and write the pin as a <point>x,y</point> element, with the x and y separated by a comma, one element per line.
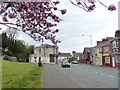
<point>90,38</point>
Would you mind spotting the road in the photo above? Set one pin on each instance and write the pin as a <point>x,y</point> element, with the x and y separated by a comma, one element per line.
<point>80,76</point>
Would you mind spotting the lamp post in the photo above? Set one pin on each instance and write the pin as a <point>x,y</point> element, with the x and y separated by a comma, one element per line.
<point>90,38</point>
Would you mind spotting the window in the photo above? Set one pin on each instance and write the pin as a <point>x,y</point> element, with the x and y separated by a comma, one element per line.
<point>115,44</point>
<point>117,59</point>
<point>107,59</point>
<point>106,49</point>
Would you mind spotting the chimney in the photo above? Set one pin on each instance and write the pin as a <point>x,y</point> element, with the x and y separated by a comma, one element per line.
<point>99,42</point>
<point>104,40</point>
<point>117,33</point>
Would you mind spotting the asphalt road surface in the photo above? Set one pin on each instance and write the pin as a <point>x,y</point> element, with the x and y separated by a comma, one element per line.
<point>80,76</point>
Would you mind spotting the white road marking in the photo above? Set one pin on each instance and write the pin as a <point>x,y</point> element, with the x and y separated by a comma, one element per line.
<point>110,76</point>
<point>96,72</point>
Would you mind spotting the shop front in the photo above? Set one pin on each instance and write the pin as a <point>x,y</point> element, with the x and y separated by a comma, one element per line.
<point>107,61</point>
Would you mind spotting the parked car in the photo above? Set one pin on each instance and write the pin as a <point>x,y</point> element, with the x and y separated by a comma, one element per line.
<point>74,62</point>
<point>65,64</point>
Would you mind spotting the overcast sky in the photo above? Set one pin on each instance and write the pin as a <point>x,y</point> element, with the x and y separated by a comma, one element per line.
<point>99,23</point>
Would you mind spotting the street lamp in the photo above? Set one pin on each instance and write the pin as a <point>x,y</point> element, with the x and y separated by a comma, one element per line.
<point>90,38</point>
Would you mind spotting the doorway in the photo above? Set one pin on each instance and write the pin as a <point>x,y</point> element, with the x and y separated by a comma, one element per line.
<point>113,61</point>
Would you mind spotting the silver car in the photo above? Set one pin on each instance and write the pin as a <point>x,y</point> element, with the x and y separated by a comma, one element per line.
<point>65,64</point>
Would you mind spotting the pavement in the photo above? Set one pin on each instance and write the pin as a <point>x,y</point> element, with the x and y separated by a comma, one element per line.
<point>79,76</point>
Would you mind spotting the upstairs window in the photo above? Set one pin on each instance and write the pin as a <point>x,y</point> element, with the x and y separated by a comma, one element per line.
<point>115,44</point>
<point>106,49</point>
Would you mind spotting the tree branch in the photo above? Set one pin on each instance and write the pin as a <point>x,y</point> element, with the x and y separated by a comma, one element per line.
<point>78,6</point>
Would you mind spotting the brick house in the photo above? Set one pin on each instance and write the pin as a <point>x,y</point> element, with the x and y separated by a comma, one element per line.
<point>78,56</point>
<point>101,52</point>
<point>86,54</point>
<point>106,58</point>
<point>115,50</point>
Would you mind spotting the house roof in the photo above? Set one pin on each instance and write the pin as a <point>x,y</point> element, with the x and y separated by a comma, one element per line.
<point>46,46</point>
<point>64,54</point>
<point>104,44</point>
<point>77,54</point>
<point>88,49</point>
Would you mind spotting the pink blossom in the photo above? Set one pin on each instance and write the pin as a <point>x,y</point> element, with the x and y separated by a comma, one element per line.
<point>31,13</point>
<point>5,19</point>
<point>19,9</point>
<point>56,2</point>
<point>23,25</point>
<point>12,15</point>
<point>92,7</point>
<point>23,30</point>
<point>78,3</point>
<point>3,9</point>
<point>63,11</point>
<point>59,41</point>
<point>5,14</point>
<point>56,30</point>
<point>55,8</point>
<point>39,36</point>
<point>112,7</point>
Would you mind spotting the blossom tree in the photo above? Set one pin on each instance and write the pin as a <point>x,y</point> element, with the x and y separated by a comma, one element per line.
<point>33,18</point>
<point>37,19</point>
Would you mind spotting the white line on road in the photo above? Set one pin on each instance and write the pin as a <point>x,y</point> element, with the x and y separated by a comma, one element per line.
<point>96,72</point>
<point>110,76</point>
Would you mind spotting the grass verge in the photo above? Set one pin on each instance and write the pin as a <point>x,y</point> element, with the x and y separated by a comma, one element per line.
<point>21,75</point>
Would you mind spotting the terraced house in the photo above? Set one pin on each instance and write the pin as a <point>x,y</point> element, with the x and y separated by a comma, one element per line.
<point>115,49</point>
<point>107,51</point>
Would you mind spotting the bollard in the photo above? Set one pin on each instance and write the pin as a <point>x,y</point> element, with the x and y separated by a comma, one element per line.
<point>39,64</point>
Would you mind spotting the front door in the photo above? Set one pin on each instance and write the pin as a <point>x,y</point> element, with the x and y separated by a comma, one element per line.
<point>113,61</point>
<point>51,58</point>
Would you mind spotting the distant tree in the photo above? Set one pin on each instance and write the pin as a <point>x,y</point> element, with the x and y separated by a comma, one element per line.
<point>73,51</point>
<point>5,40</point>
<point>15,47</point>
<point>12,33</point>
<point>31,49</point>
